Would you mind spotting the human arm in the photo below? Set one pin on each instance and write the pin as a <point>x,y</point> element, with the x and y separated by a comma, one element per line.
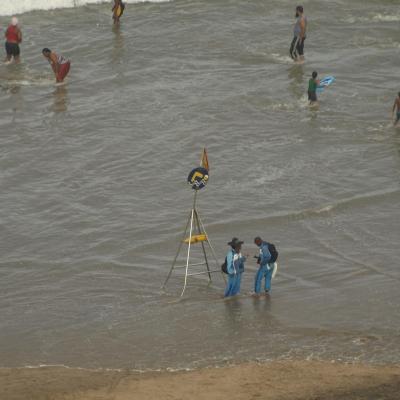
<point>394,107</point>
<point>54,63</point>
<point>302,28</point>
<point>230,263</point>
<point>265,255</point>
<point>19,35</point>
<point>238,262</point>
<point>242,260</point>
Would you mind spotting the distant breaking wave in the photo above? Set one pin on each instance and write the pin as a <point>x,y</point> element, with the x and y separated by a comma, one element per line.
<point>377,17</point>
<point>22,6</point>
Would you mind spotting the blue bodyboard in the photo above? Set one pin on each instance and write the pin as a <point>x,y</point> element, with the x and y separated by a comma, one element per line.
<point>328,80</point>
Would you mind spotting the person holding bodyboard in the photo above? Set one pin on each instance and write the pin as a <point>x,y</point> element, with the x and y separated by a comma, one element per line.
<point>313,84</point>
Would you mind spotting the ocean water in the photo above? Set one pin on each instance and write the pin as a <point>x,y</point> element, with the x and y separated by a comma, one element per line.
<point>94,198</point>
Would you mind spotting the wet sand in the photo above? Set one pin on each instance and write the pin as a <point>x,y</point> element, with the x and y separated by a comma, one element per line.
<point>276,380</point>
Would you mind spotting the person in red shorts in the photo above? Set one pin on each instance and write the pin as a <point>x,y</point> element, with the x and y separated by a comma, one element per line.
<point>59,64</point>
<point>13,39</point>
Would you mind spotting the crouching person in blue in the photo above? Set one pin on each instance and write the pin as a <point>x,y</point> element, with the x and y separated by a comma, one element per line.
<point>235,267</point>
<point>266,261</point>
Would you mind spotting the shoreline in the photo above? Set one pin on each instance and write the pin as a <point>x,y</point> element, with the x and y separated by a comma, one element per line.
<point>278,380</point>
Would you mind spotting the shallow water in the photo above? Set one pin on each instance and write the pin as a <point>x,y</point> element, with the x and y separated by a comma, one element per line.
<point>94,200</point>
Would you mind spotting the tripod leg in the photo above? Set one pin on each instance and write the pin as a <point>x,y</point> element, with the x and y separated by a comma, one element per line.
<point>202,245</point>
<point>177,253</point>
<point>212,249</point>
<point>188,252</point>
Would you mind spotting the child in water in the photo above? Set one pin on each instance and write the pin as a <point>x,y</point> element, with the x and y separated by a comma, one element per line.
<point>118,10</point>
<point>312,89</point>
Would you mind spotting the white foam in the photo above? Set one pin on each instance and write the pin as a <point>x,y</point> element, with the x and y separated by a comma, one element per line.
<point>8,7</point>
<point>386,18</point>
<point>327,129</point>
<point>27,82</point>
<point>378,17</point>
<point>280,59</point>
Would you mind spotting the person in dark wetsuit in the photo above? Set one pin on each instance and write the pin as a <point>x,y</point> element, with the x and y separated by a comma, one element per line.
<point>312,88</point>
<point>13,39</point>
<point>300,29</point>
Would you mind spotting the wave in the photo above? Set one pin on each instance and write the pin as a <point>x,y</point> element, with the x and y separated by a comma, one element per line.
<point>386,18</point>
<point>23,6</point>
<point>354,201</point>
<point>280,218</point>
<point>99,369</point>
<point>377,17</point>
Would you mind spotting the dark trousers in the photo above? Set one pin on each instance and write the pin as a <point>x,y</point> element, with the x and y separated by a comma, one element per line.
<point>297,47</point>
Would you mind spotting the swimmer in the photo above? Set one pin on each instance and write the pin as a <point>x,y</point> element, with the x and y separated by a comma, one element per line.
<point>59,64</point>
<point>118,10</point>
<point>312,89</point>
<point>396,107</point>
<point>13,39</point>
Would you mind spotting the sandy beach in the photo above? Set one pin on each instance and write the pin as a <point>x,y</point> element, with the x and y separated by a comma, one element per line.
<point>277,380</point>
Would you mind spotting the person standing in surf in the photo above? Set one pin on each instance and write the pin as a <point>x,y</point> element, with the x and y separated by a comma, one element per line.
<point>59,64</point>
<point>118,10</point>
<point>396,108</point>
<point>312,89</point>
<point>300,29</point>
<point>266,267</point>
<point>13,39</point>
<point>235,267</point>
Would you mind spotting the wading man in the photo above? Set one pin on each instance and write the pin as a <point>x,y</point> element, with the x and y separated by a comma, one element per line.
<point>300,29</point>
<point>266,266</point>
<point>235,267</point>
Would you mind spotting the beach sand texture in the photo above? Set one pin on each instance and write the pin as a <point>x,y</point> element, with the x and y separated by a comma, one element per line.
<point>275,381</point>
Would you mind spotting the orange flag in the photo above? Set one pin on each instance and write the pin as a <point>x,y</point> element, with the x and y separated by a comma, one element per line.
<point>204,160</point>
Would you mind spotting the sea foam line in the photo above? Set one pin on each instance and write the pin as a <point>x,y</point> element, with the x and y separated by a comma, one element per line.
<point>23,6</point>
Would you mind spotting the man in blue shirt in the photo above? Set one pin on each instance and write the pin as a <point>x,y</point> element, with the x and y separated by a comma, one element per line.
<point>235,267</point>
<point>266,269</point>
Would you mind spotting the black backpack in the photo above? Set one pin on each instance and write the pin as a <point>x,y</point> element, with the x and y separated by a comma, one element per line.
<point>224,267</point>
<point>274,253</point>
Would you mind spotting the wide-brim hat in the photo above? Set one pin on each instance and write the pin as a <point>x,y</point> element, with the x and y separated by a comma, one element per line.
<point>235,242</point>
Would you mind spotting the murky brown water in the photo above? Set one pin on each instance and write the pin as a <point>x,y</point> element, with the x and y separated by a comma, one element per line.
<point>93,195</point>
